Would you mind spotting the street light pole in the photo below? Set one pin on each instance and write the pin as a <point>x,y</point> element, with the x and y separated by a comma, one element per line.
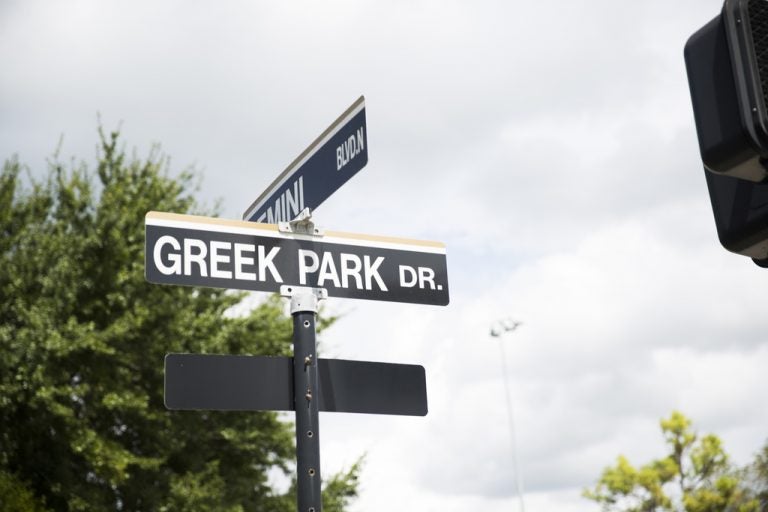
<point>497,330</point>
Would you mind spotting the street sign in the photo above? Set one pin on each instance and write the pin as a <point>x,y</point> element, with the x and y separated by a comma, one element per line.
<point>261,383</point>
<point>204,251</point>
<point>329,162</point>
<point>305,264</point>
<point>228,383</point>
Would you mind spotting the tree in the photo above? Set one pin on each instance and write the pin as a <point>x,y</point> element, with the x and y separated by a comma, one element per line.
<point>82,342</point>
<point>756,475</point>
<point>15,496</point>
<point>694,477</point>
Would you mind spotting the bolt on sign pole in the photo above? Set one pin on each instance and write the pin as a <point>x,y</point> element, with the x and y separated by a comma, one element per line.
<point>306,397</point>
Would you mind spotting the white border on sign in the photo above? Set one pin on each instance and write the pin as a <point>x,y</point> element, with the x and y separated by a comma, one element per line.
<point>175,220</point>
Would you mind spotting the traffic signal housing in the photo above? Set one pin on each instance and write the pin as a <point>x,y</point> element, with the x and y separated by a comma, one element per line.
<point>727,64</point>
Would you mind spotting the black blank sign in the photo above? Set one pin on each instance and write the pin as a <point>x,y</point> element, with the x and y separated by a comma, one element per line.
<point>259,383</point>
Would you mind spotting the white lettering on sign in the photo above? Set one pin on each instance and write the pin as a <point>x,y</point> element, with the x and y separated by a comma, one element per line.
<point>350,267</point>
<point>350,148</point>
<point>241,260</point>
<point>267,263</point>
<point>410,280</point>
<point>326,268</point>
<point>190,257</point>
<point>371,272</point>
<point>328,271</point>
<point>305,268</point>
<point>175,259</point>
<point>217,257</point>
<point>423,276</point>
<point>195,252</point>
<point>287,206</point>
<point>200,251</point>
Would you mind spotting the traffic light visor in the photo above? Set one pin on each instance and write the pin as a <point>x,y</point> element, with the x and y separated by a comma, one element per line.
<point>727,63</point>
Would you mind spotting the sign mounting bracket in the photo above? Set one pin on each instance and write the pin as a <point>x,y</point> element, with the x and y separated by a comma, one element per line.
<point>301,225</point>
<point>303,298</point>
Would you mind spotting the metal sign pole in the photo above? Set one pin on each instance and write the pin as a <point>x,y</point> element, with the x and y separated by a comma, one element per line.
<point>306,396</point>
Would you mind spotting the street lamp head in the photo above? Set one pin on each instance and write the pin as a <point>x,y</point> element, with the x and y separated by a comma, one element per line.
<point>502,326</point>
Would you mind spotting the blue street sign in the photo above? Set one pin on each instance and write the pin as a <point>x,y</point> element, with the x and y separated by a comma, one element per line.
<point>332,159</point>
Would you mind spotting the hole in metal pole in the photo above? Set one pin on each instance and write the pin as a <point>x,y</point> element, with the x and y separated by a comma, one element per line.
<point>306,323</point>
<point>311,509</point>
<point>311,471</point>
<point>310,433</point>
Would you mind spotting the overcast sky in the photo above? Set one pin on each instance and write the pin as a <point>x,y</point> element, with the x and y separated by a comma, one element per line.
<point>550,145</point>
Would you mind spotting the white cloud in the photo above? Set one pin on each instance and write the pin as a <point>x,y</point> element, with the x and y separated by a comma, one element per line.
<point>619,331</point>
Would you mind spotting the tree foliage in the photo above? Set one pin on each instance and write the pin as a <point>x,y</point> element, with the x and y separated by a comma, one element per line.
<point>756,475</point>
<point>82,342</point>
<point>695,476</point>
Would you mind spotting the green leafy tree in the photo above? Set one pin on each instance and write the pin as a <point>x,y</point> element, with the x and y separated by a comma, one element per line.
<point>695,476</point>
<point>756,476</point>
<point>15,496</point>
<point>82,341</point>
